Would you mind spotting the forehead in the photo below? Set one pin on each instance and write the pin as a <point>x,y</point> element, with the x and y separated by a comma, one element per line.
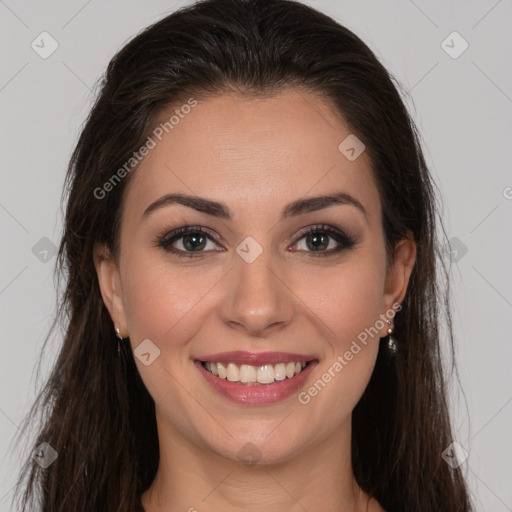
<point>247,151</point>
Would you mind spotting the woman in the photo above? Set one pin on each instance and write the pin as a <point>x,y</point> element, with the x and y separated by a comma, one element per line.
<point>252,303</point>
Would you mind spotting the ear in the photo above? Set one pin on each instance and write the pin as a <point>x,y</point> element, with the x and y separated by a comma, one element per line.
<point>110,286</point>
<point>398,274</point>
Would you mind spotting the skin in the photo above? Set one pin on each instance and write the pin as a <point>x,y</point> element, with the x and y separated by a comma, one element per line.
<point>256,155</point>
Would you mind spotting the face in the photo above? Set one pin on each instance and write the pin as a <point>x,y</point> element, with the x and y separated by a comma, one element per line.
<point>268,283</point>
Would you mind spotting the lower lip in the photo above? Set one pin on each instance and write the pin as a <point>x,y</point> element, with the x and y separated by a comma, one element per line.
<point>257,395</point>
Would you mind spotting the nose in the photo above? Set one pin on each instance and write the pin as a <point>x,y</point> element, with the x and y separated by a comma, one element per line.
<point>257,300</point>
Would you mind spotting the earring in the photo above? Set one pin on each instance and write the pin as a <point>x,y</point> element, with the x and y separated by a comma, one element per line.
<point>392,344</point>
<point>118,334</point>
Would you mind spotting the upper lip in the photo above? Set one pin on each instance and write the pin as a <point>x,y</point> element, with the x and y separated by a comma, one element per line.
<point>250,358</point>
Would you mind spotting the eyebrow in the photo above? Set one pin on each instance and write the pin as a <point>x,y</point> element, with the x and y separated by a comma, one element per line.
<point>222,211</point>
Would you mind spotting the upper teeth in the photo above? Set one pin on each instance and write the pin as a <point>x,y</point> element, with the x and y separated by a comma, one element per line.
<point>265,374</point>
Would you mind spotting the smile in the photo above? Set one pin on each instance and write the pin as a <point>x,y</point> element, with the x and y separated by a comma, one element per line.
<point>248,374</point>
<point>256,379</point>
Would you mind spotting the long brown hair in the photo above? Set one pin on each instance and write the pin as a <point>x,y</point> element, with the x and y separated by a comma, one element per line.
<point>95,411</point>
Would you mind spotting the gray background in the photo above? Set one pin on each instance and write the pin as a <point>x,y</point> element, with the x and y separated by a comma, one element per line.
<point>463,109</point>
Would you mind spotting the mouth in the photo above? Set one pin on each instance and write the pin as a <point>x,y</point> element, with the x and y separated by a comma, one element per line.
<point>256,379</point>
<point>250,375</point>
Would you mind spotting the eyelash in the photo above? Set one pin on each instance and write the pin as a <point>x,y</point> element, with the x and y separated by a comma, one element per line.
<point>165,239</point>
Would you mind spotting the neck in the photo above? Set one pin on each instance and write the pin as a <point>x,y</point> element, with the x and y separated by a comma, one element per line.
<point>193,478</point>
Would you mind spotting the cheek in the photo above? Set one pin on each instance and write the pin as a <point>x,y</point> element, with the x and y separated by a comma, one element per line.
<point>348,303</point>
<point>346,299</point>
<point>158,297</point>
